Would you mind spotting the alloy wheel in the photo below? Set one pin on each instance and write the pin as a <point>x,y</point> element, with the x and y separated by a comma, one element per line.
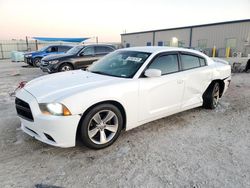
<point>66,68</point>
<point>103,126</point>
<point>216,94</point>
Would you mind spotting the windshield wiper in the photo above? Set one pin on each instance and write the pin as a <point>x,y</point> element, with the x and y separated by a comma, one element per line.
<point>99,72</point>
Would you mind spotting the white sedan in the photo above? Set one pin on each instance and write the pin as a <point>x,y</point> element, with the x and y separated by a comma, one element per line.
<point>121,91</point>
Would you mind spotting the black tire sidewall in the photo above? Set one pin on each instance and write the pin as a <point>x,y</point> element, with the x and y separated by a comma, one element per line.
<point>35,62</point>
<point>64,64</point>
<point>208,99</point>
<point>215,85</point>
<point>85,121</point>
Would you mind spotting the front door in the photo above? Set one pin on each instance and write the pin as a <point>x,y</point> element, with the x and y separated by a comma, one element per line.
<point>86,57</point>
<point>161,96</point>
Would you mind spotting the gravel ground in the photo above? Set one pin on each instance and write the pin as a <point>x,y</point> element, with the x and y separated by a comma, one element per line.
<point>196,148</point>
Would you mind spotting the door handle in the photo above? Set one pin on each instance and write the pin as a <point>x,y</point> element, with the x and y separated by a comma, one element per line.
<point>180,81</point>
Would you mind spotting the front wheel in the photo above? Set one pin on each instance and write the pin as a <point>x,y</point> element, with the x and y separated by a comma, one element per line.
<point>101,126</point>
<point>65,67</point>
<point>37,62</point>
<point>211,96</point>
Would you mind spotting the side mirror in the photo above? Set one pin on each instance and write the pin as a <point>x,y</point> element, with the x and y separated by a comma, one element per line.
<point>151,73</point>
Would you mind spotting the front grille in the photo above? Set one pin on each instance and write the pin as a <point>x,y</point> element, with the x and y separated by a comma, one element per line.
<point>27,60</point>
<point>23,109</point>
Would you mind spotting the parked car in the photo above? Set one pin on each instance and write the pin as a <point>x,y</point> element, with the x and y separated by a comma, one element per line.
<point>123,90</point>
<point>78,57</point>
<point>34,58</point>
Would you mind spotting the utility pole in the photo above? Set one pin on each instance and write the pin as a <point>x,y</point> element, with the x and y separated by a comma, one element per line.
<point>27,43</point>
<point>96,38</point>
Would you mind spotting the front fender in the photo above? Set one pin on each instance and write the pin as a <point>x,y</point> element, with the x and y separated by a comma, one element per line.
<point>125,94</point>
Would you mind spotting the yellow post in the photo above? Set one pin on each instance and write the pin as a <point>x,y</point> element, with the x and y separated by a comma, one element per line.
<point>227,52</point>
<point>214,50</point>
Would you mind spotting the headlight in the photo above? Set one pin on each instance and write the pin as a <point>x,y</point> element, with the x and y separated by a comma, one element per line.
<point>29,55</point>
<point>56,109</point>
<point>53,62</point>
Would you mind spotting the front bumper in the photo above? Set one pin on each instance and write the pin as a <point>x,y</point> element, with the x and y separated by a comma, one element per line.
<point>28,60</point>
<point>227,82</point>
<point>46,67</point>
<point>53,130</point>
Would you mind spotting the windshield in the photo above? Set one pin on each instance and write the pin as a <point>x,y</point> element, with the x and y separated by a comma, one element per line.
<point>120,64</point>
<point>43,48</point>
<point>74,50</point>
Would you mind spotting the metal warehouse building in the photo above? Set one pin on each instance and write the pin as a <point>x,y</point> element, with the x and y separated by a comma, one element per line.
<point>222,39</point>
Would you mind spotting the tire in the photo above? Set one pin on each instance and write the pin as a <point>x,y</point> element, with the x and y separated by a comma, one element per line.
<point>65,67</point>
<point>101,126</point>
<point>37,62</point>
<point>211,96</point>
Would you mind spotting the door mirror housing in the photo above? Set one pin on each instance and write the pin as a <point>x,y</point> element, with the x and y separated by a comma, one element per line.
<point>151,73</point>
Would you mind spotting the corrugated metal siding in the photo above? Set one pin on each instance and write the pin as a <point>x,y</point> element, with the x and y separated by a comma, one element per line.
<point>181,34</point>
<point>137,39</point>
<point>217,35</point>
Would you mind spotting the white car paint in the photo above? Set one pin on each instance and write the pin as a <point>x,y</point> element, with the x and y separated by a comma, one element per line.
<point>143,99</point>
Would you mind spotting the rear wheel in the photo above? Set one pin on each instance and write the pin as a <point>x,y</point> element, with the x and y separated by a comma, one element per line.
<point>101,126</point>
<point>65,67</point>
<point>211,96</point>
<point>37,62</point>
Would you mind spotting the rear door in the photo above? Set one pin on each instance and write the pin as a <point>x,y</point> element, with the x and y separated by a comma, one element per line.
<point>196,76</point>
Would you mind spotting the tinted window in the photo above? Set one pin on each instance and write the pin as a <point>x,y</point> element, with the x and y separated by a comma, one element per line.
<point>189,62</point>
<point>63,48</point>
<point>89,51</point>
<point>202,62</point>
<point>52,49</point>
<point>103,49</point>
<point>166,63</point>
<point>75,50</point>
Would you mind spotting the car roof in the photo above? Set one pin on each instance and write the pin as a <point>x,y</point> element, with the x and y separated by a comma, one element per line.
<point>85,45</point>
<point>51,45</point>
<point>158,49</point>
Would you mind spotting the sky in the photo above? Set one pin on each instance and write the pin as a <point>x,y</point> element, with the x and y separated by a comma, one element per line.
<point>107,19</point>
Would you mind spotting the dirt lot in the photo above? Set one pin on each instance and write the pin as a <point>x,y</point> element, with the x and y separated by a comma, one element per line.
<point>196,148</point>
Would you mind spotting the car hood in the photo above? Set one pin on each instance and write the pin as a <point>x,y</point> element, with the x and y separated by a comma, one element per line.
<point>55,87</point>
<point>57,57</point>
<point>32,53</point>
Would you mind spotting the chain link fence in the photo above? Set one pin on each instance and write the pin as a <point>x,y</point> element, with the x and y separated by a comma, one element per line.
<point>7,46</point>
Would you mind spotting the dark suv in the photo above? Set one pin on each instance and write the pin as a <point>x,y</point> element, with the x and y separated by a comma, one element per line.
<point>78,57</point>
<point>34,58</point>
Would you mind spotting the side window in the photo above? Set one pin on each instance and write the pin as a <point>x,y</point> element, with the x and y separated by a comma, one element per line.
<point>202,62</point>
<point>189,62</point>
<point>89,51</point>
<point>103,49</point>
<point>63,48</point>
<point>54,49</point>
<point>109,49</point>
<point>166,63</point>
